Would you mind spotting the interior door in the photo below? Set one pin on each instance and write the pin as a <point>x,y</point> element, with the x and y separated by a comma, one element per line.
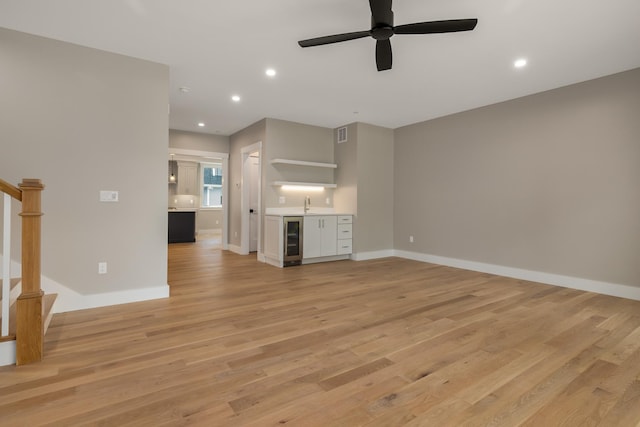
<point>254,208</point>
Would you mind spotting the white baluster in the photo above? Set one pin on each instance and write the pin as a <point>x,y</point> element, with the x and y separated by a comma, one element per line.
<point>6,265</point>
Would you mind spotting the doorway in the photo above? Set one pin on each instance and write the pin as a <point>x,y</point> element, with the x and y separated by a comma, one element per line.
<point>218,221</point>
<point>251,199</point>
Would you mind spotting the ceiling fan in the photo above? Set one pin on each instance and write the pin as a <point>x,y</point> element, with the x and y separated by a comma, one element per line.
<point>382,30</point>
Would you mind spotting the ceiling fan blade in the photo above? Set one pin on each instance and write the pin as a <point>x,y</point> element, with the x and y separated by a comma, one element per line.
<point>449,26</point>
<point>384,57</point>
<point>381,12</point>
<point>336,38</point>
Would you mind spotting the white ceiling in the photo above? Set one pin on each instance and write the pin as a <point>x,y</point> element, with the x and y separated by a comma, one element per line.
<point>220,48</point>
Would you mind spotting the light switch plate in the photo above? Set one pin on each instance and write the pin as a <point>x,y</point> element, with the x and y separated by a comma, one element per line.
<point>108,196</point>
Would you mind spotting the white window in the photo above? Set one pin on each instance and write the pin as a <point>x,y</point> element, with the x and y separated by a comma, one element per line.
<point>211,174</point>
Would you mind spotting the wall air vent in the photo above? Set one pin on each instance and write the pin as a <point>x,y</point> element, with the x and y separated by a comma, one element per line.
<point>342,135</point>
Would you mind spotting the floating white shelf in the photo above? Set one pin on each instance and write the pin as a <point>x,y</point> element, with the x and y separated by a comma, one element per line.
<point>303,163</point>
<point>304,184</point>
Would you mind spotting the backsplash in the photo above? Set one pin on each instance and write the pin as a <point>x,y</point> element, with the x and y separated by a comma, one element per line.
<point>182,201</point>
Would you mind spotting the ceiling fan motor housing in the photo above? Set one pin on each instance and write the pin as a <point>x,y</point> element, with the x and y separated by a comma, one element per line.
<point>382,30</point>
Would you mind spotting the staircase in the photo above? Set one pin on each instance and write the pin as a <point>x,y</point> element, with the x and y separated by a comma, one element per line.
<point>25,312</point>
<point>14,291</point>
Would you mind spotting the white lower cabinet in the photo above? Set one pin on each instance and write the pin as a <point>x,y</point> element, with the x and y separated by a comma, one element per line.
<point>273,236</point>
<point>324,238</point>
<point>320,236</point>
<point>345,234</point>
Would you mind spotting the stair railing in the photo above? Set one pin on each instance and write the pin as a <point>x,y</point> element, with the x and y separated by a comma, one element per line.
<point>29,307</point>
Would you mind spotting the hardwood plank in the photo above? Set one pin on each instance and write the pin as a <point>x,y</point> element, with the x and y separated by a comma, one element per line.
<point>385,342</point>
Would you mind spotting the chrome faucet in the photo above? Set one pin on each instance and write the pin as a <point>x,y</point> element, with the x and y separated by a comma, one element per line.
<point>307,203</point>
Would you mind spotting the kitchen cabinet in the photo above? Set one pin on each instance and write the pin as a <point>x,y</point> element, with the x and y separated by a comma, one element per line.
<point>320,236</point>
<point>273,240</point>
<point>188,178</point>
<point>345,234</point>
<point>325,237</point>
<point>182,226</point>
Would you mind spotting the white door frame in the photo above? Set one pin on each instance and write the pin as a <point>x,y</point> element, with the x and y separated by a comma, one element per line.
<point>207,155</point>
<point>244,203</point>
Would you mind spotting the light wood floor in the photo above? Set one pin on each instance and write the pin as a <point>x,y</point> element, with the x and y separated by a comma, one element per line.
<point>389,342</point>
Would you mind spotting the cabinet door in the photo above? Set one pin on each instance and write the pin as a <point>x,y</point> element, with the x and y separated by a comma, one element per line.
<point>273,236</point>
<point>188,178</point>
<point>312,237</point>
<point>329,235</point>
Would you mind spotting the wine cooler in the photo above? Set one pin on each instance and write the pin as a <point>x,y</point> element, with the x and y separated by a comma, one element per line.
<point>292,240</point>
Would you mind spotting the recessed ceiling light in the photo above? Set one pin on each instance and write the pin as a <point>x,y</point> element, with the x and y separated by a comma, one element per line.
<point>270,72</point>
<point>201,124</point>
<point>519,63</point>
<point>235,98</point>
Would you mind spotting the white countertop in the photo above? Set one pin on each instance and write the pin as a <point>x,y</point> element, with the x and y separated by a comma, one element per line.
<point>182,209</point>
<point>300,212</point>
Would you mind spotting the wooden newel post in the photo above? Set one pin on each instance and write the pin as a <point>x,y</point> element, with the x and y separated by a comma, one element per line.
<point>29,308</point>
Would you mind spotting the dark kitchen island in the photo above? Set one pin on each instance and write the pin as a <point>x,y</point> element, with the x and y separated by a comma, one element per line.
<point>182,226</point>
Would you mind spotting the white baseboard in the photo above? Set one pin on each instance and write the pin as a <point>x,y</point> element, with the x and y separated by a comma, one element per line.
<point>613,289</point>
<point>236,249</point>
<point>212,231</point>
<point>8,353</point>
<point>364,256</point>
<point>324,259</point>
<point>70,300</point>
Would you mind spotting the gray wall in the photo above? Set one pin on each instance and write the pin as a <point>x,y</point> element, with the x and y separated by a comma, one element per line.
<point>373,226</point>
<point>365,185</point>
<point>244,138</point>
<point>209,219</point>
<point>280,139</point>
<point>198,141</point>
<point>296,141</point>
<point>346,157</point>
<point>548,182</point>
<point>84,120</point>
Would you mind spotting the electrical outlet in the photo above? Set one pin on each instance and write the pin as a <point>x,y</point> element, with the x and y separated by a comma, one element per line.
<point>410,239</point>
<point>281,200</point>
<point>328,201</point>
<point>102,268</point>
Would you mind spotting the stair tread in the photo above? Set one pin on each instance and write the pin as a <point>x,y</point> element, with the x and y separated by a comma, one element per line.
<point>13,283</point>
<point>14,291</point>
<point>47,300</point>
<point>12,320</point>
<point>8,338</point>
